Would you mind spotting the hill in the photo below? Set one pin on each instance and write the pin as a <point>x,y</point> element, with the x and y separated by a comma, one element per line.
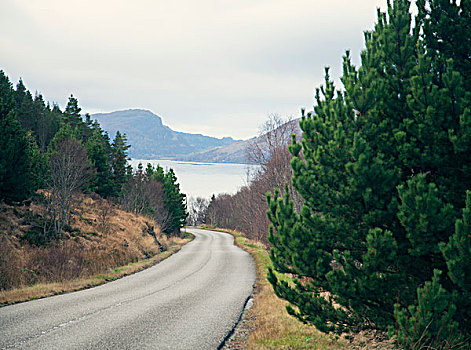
<point>237,152</point>
<point>151,139</point>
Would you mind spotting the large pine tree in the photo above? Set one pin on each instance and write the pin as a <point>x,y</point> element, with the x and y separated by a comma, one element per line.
<point>383,168</point>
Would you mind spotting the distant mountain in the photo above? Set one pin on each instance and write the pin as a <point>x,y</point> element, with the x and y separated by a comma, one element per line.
<point>237,152</point>
<point>150,139</point>
<point>233,153</point>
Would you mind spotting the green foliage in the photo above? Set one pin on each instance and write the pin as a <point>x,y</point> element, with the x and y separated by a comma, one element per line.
<point>429,324</point>
<point>457,253</point>
<point>119,159</point>
<point>383,168</point>
<point>15,166</point>
<point>7,102</point>
<point>99,152</point>
<point>175,201</point>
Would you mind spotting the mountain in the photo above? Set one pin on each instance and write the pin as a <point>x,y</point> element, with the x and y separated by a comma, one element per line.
<point>233,153</point>
<point>151,139</point>
<point>237,152</point>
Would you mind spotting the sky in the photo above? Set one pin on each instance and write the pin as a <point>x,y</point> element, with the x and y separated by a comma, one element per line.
<point>209,66</point>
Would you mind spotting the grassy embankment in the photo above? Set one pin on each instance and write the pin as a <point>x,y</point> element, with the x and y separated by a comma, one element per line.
<point>103,244</point>
<point>270,325</point>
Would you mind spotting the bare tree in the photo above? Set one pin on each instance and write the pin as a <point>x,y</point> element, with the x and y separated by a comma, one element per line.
<point>105,214</point>
<point>134,196</point>
<point>70,170</point>
<point>246,210</point>
<point>197,210</point>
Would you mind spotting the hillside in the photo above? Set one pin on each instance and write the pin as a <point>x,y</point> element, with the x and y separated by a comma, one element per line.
<point>101,237</point>
<point>151,139</point>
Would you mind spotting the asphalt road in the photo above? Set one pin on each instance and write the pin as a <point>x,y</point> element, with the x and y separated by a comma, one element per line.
<point>189,301</point>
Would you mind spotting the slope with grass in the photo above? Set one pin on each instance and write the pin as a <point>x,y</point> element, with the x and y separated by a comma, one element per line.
<point>102,243</point>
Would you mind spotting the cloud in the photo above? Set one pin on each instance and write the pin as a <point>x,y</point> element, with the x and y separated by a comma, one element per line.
<point>206,66</point>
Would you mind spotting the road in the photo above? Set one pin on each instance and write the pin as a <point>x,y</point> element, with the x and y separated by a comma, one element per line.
<point>189,301</point>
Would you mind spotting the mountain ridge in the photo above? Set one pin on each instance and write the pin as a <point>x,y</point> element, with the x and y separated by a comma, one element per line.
<point>150,138</point>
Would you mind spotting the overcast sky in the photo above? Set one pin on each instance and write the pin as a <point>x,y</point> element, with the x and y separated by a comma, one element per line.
<point>216,67</point>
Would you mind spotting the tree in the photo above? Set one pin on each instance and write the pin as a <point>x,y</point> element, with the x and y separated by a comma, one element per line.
<point>69,171</point>
<point>119,161</point>
<point>15,156</point>
<point>24,106</point>
<point>175,201</point>
<point>99,153</point>
<point>15,161</point>
<point>72,112</point>
<point>7,101</point>
<point>197,210</point>
<point>73,117</point>
<point>383,168</point>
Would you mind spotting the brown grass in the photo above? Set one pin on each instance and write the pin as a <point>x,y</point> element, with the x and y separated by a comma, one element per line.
<point>42,290</point>
<point>105,243</point>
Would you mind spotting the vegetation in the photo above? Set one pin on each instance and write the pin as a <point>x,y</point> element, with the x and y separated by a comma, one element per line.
<point>246,210</point>
<point>156,193</point>
<point>103,248</point>
<point>49,159</point>
<point>382,240</point>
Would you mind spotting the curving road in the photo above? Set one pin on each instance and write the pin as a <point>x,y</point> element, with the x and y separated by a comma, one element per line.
<point>189,301</point>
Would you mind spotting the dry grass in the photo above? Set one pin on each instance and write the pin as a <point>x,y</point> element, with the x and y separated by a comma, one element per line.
<point>42,290</point>
<point>104,243</point>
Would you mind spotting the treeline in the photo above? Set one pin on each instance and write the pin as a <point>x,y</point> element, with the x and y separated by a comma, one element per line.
<point>246,210</point>
<point>382,240</point>
<point>63,153</point>
<point>156,193</point>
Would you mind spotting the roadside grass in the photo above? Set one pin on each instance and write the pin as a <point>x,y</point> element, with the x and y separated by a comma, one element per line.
<point>272,327</point>
<point>43,290</point>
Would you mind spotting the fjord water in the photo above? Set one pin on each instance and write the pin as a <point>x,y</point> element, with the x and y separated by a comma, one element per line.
<point>203,179</point>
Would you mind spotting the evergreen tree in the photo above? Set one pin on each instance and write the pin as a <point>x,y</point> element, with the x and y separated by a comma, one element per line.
<point>383,168</point>
<point>119,161</point>
<point>73,117</point>
<point>7,100</point>
<point>99,152</point>
<point>38,163</point>
<point>175,201</point>
<point>24,107</point>
<point>72,112</point>
<point>15,161</point>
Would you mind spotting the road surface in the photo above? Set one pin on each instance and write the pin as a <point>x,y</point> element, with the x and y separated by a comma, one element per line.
<point>189,301</point>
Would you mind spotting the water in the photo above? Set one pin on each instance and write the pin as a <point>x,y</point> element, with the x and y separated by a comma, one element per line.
<point>203,179</point>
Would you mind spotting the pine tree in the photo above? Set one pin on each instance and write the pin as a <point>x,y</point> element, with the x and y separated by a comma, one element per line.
<point>175,201</point>
<point>99,153</point>
<point>72,112</point>
<point>73,117</point>
<point>15,160</point>
<point>383,167</point>
<point>7,100</point>
<point>119,161</point>
<point>24,107</point>
<point>38,163</point>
